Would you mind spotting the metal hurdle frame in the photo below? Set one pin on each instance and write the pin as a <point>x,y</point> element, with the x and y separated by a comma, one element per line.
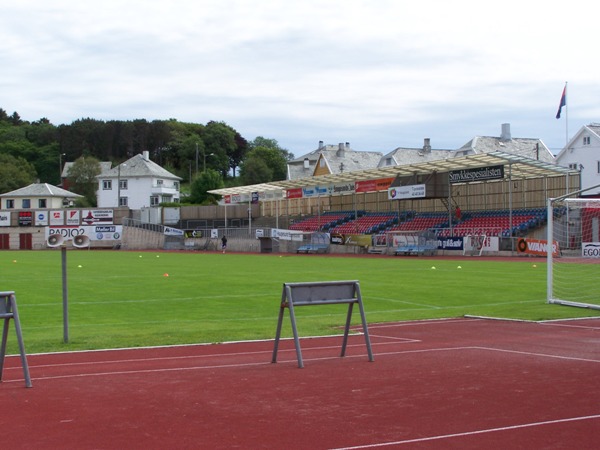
<point>9,310</point>
<point>321,293</point>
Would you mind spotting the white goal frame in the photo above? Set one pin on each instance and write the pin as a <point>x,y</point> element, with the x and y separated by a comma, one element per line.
<point>474,243</point>
<point>569,247</point>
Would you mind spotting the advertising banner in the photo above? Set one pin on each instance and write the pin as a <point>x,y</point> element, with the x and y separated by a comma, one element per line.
<point>93,232</point>
<point>286,235</point>
<point>168,231</point>
<point>406,192</point>
<point>381,184</point>
<point>315,191</point>
<point>97,216</point>
<point>4,219</point>
<point>358,239</point>
<point>590,250</point>
<point>294,193</point>
<point>41,218</point>
<point>537,247</point>
<point>479,174</point>
<point>450,243</point>
<point>25,218</point>
<point>343,188</point>
<point>72,216</point>
<point>57,217</point>
<point>337,239</point>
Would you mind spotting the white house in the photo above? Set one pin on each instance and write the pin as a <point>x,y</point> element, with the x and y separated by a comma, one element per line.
<point>583,153</point>
<point>137,183</point>
<point>38,196</point>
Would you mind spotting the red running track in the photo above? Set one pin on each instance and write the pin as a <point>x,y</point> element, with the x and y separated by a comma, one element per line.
<point>451,384</point>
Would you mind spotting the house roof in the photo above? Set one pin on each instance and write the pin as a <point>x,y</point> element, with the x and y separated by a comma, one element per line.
<point>527,147</point>
<point>138,166</point>
<point>403,155</point>
<point>339,158</point>
<point>41,190</point>
<point>595,128</point>
<point>104,166</point>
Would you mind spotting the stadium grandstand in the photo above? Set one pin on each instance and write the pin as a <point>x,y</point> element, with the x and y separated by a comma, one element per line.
<point>363,202</point>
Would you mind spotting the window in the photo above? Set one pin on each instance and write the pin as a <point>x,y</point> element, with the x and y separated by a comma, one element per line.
<point>388,161</point>
<point>586,140</point>
<point>159,182</point>
<point>123,184</point>
<point>107,185</point>
<point>573,166</point>
<point>176,185</point>
<point>10,204</point>
<point>598,166</point>
<point>154,200</point>
<point>122,201</point>
<point>26,203</point>
<point>42,203</point>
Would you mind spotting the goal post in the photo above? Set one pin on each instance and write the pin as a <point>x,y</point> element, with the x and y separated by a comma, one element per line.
<point>573,251</point>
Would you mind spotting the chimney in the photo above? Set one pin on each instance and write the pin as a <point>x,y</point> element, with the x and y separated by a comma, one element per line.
<point>320,145</point>
<point>146,155</point>
<point>340,152</point>
<point>505,135</point>
<point>347,145</point>
<point>426,145</point>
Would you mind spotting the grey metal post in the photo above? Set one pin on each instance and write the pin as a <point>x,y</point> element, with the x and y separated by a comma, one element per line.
<point>65,294</point>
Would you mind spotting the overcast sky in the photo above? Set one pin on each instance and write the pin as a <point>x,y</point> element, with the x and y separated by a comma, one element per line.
<point>379,74</point>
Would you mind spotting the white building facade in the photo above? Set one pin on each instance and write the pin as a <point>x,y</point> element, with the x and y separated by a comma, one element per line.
<point>583,153</point>
<point>137,183</point>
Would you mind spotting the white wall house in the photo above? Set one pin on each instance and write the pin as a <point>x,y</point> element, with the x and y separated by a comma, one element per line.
<point>38,196</point>
<point>583,153</point>
<point>137,183</point>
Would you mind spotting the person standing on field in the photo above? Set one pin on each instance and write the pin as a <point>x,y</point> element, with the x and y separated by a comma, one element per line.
<point>224,243</point>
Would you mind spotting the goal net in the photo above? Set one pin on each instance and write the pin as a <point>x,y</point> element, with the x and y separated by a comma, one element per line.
<point>473,244</point>
<point>574,264</point>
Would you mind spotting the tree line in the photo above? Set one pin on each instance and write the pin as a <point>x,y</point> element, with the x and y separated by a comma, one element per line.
<point>206,156</point>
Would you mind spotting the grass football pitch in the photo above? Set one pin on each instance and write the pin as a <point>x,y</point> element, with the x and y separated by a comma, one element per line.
<point>122,299</point>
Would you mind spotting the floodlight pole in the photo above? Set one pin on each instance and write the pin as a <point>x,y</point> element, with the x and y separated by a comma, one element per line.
<point>60,155</point>
<point>119,185</point>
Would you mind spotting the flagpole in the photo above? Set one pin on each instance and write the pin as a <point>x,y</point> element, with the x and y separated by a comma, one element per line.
<point>566,117</point>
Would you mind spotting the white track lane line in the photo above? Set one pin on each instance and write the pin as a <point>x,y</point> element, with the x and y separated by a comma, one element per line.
<point>472,433</point>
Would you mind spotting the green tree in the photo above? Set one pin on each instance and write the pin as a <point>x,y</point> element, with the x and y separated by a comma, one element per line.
<point>263,164</point>
<point>206,181</point>
<point>15,173</point>
<point>219,142</point>
<point>260,141</point>
<point>254,170</point>
<point>82,178</point>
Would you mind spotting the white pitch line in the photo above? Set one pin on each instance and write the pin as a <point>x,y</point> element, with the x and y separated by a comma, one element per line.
<point>472,433</point>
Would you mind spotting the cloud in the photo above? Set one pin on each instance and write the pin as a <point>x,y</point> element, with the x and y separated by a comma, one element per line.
<point>382,74</point>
